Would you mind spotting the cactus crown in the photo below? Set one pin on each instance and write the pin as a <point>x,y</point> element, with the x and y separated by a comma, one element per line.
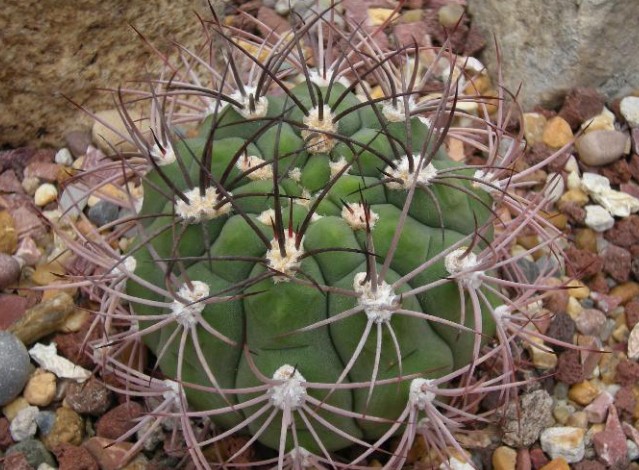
<point>309,267</point>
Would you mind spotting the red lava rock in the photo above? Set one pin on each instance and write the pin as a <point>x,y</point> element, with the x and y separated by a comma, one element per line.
<point>70,344</point>
<point>557,300</point>
<point>630,188</point>
<point>627,372</point>
<point>5,435</point>
<point>90,397</point>
<point>537,458</point>
<point>271,22</point>
<point>119,420</point>
<point>582,263</point>
<point>616,262</point>
<point>562,328</point>
<point>42,170</point>
<point>580,104</point>
<point>523,460</point>
<point>589,465</point>
<point>598,408</point>
<point>27,223</point>
<point>610,444</point>
<point>606,303</point>
<point>634,265</point>
<point>108,454</point>
<point>74,458</point>
<point>17,461</point>
<point>632,313</point>
<point>576,214</point>
<point>569,367</point>
<point>9,182</point>
<point>598,283</point>
<point>12,308</point>
<point>633,166</point>
<point>625,233</point>
<point>407,34</point>
<point>536,153</point>
<point>617,172</point>
<point>625,401</point>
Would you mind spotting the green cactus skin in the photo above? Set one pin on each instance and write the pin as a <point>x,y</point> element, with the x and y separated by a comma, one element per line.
<point>261,316</point>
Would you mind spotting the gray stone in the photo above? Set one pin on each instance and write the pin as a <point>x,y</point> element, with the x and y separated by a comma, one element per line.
<point>35,452</point>
<point>14,367</point>
<point>602,147</point>
<point>524,422</point>
<point>552,47</point>
<point>103,213</point>
<point>45,421</point>
<point>9,270</point>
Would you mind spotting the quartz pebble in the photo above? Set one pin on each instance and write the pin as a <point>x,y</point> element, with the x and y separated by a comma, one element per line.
<point>566,442</point>
<point>598,218</point>
<point>598,148</point>
<point>64,157</point>
<point>633,343</point>
<point>24,426</point>
<point>14,367</point>
<point>47,358</point>
<point>629,108</point>
<point>45,194</point>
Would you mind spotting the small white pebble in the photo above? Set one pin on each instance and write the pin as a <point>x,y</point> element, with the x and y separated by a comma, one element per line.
<point>567,442</point>
<point>45,466</point>
<point>45,194</point>
<point>456,464</point>
<point>629,108</point>
<point>572,165</point>
<point>555,187</point>
<point>633,450</point>
<point>30,184</point>
<point>633,343</point>
<point>598,218</point>
<point>63,157</point>
<point>47,357</point>
<point>23,426</point>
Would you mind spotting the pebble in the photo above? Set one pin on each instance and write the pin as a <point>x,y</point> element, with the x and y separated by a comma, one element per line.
<point>617,262</point>
<point>78,141</point>
<point>9,270</point>
<point>557,133</point>
<point>10,410</point>
<point>103,213</point>
<point>71,457</point>
<point>108,129</point>
<point>14,367</point>
<point>28,252</point>
<point>24,426</point>
<point>583,393</point>
<point>633,343</point>
<point>569,367</point>
<point>556,464</point>
<point>610,445</point>
<point>578,419</point>
<point>504,458</point>
<point>577,289</point>
<point>598,218</point>
<point>534,124</point>
<point>605,121</point>
<point>45,194</point>
<point>449,15</point>
<point>30,184</point>
<point>625,291</point>
<point>68,428</point>
<point>40,388</point>
<point>48,358</point>
<point>575,195</point>
<point>119,420</point>
<point>43,319</point>
<point>629,108</point>
<point>590,322</point>
<point>63,157</point>
<point>525,420</point>
<point>8,234</point>
<point>45,421</point>
<point>566,442</point>
<point>580,104</point>
<point>598,148</point>
<point>108,454</point>
<point>88,398</point>
<point>34,451</point>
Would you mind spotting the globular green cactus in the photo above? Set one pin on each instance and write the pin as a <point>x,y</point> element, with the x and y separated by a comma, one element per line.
<point>309,267</point>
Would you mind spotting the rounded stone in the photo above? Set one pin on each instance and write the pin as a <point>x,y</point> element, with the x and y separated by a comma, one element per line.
<point>14,367</point>
<point>599,148</point>
<point>40,389</point>
<point>629,108</point>
<point>557,133</point>
<point>103,212</point>
<point>34,451</point>
<point>45,194</point>
<point>449,15</point>
<point>9,270</point>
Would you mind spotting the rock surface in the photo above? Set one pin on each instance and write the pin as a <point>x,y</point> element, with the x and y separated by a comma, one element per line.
<point>14,367</point>
<point>54,48</point>
<point>554,46</point>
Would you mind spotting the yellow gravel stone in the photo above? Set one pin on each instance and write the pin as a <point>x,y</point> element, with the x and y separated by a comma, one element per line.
<point>574,308</point>
<point>68,428</point>
<point>45,194</point>
<point>8,234</point>
<point>377,16</point>
<point>534,124</point>
<point>557,133</point>
<point>47,274</point>
<point>586,239</point>
<point>575,195</point>
<point>504,458</point>
<point>578,419</point>
<point>11,409</point>
<point>583,393</point>
<point>625,291</point>
<point>556,464</point>
<point>578,289</point>
<point>40,389</point>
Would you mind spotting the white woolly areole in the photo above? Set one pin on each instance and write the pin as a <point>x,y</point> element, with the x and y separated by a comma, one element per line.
<point>500,312</point>
<point>200,208</point>
<point>337,166</point>
<point>302,457</point>
<point>419,396</point>
<point>402,172</point>
<point>127,266</point>
<point>290,394</point>
<point>317,76</point>
<point>261,104</point>
<point>267,217</point>
<point>162,156</point>
<point>290,262</point>
<point>487,181</point>
<point>295,174</point>
<point>173,392</point>
<point>397,113</point>
<point>264,172</point>
<point>379,305</point>
<point>318,142</point>
<point>355,216</point>
<point>185,312</point>
<point>461,264</point>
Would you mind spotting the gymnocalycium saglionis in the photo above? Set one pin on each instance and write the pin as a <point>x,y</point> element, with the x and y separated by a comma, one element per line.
<point>306,267</point>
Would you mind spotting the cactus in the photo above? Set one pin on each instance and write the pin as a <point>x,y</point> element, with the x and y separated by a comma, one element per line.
<point>309,267</point>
